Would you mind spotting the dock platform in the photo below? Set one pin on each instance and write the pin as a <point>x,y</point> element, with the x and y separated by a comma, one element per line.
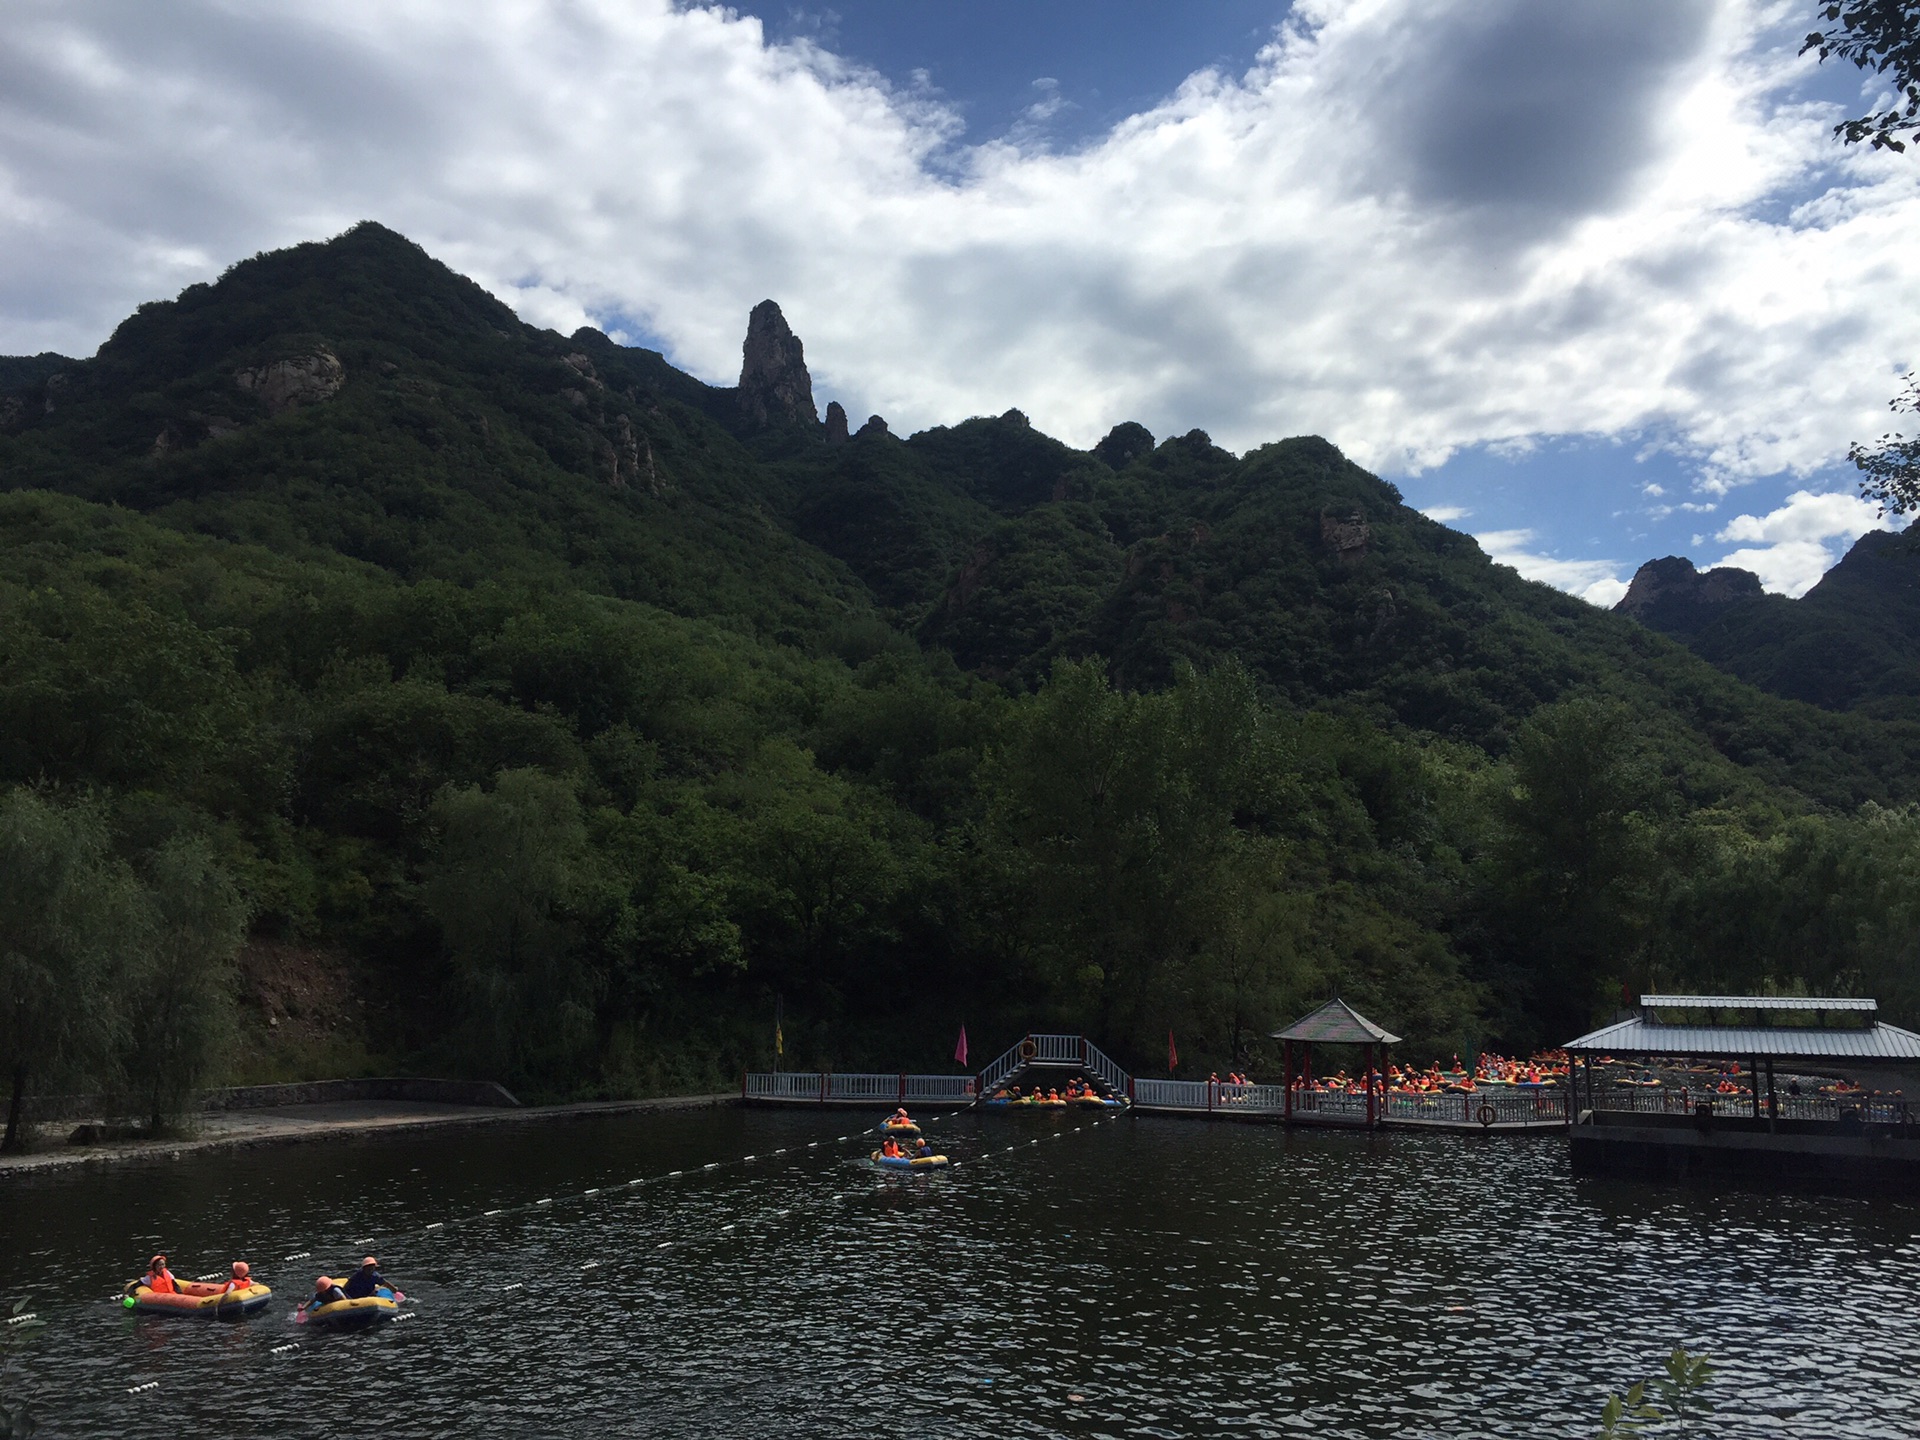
<point>1044,1059</point>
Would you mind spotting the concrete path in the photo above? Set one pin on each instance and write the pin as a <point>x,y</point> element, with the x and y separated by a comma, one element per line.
<point>294,1124</point>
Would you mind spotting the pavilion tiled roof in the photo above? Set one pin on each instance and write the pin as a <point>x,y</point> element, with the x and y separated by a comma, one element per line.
<point>1642,1037</point>
<point>1336,1023</point>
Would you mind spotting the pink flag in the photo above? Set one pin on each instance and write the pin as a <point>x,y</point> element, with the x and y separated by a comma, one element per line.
<point>960,1050</point>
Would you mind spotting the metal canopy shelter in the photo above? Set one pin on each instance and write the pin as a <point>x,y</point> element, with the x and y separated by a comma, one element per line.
<point>1335,1023</point>
<point>1811,1028</point>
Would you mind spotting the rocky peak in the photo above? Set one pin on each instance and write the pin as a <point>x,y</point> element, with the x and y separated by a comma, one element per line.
<point>775,388</point>
<point>875,426</point>
<point>301,380</point>
<point>836,423</point>
<point>1124,444</point>
<point>1344,532</point>
<point>1669,594</point>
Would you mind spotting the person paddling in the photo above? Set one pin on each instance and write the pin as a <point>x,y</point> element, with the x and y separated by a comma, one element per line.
<point>367,1280</point>
<point>325,1292</point>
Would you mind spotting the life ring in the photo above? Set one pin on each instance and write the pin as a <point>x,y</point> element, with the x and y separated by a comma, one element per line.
<point>1486,1115</point>
<point>1028,1049</point>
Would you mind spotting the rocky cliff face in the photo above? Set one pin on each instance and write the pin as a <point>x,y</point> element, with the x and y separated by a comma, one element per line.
<point>1670,595</point>
<point>775,388</point>
<point>302,380</point>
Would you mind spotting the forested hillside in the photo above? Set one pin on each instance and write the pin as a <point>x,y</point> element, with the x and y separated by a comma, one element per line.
<point>578,711</point>
<point>1852,642</point>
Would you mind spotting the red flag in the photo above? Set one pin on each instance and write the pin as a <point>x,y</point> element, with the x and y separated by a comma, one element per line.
<point>1173,1055</point>
<point>960,1050</point>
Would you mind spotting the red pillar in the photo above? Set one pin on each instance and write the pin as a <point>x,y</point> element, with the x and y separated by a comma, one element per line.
<point>1369,1086</point>
<point>1286,1063</point>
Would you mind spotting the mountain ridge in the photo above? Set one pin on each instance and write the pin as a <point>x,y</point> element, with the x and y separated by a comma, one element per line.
<point>546,680</point>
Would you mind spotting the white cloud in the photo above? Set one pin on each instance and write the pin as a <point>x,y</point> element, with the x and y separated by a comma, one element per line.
<point>1808,516</point>
<point>1410,227</point>
<point>1792,567</point>
<point>1793,546</point>
<point>1446,514</point>
<point>1596,581</point>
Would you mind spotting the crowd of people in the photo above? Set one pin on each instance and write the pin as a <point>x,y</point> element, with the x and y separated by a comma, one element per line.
<point>1076,1091</point>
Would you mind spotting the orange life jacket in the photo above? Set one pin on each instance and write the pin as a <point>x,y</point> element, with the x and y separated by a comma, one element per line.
<point>161,1283</point>
<point>237,1284</point>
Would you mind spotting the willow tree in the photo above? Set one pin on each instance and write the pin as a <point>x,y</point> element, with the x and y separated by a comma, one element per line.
<point>181,985</point>
<point>69,914</point>
<point>503,884</point>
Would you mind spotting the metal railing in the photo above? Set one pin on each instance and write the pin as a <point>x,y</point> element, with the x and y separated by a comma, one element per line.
<point>1000,1069</point>
<point>1099,1065</point>
<point>1057,1050</point>
<point>782,1085</point>
<point>1868,1109</point>
<point>857,1087</point>
<point>1171,1094</point>
<point>1482,1107</point>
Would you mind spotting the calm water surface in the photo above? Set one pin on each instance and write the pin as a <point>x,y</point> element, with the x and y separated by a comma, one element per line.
<point>1138,1277</point>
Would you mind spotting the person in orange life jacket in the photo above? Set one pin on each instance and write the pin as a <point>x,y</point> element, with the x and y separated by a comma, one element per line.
<point>159,1279</point>
<point>891,1148</point>
<point>325,1292</point>
<point>242,1278</point>
<point>367,1280</point>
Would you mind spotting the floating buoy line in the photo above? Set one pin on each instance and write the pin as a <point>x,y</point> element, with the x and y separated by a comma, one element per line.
<point>399,1240</point>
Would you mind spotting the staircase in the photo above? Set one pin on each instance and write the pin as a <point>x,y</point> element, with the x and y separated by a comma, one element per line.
<point>1039,1053</point>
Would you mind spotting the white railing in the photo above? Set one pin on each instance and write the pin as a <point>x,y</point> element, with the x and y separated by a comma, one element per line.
<point>863,1087</point>
<point>1171,1094</point>
<point>1057,1050</point>
<point>957,1089</point>
<point>1482,1107</point>
<point>1228,1099</point>
<point>1260,1099</point>
<point>1000,1069</point>
<point>781,1085</point>
<point>857,1087</point>
<point>1102,1068</point>
<point>1878,1110</point>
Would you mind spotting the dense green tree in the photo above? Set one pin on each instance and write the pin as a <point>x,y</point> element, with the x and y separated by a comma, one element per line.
<point>181,988</point>
<point>1577,853</point>
<point>69,916</point>
<point>504,886</point>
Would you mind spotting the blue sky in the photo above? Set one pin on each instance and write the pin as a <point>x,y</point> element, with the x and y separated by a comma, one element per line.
<point>1590,278</point>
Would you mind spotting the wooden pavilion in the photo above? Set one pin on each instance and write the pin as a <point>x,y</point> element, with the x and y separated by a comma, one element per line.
<point>1840,1134</point>
<point>1337,1023</point>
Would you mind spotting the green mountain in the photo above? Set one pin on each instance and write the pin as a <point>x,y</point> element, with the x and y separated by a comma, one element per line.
<point>1852,642</point>
<point>581,712</point>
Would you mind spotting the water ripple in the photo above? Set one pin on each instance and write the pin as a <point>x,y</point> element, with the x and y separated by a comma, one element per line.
<point>1138,1278</point>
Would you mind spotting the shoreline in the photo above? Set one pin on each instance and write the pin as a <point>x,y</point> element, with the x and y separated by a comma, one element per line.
<point>303,1124</point>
